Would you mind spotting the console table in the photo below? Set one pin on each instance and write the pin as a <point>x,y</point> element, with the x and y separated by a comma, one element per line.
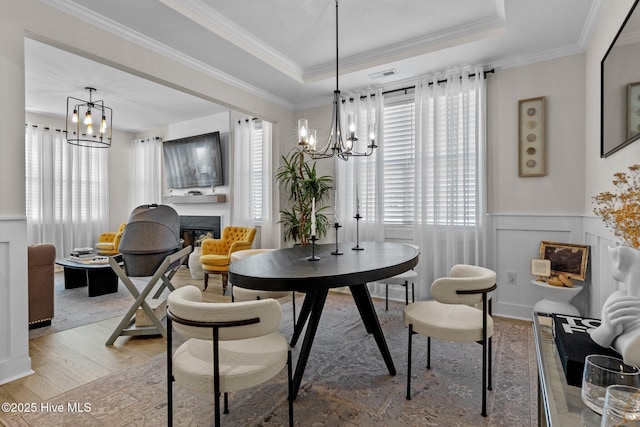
<point>559,404</point>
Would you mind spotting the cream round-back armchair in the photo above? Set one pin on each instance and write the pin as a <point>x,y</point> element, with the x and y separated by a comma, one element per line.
<point>402,279</point>
<point>231,346</point>
<point>454,316</point>
<point>239,293</point>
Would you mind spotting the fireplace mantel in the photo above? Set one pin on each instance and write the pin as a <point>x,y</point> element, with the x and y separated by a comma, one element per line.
<point>204,198</point>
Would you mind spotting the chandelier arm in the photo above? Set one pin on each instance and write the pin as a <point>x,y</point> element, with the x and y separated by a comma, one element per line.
<point>335,143</point>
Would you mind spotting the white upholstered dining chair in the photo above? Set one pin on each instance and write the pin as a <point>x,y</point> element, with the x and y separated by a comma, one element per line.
<point>454,316</point>
<point>402,279</point>
<point>239,293</point>
<point>231,346</point>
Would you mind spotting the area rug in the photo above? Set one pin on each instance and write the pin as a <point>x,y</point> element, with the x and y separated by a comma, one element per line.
<point>73,307</point>
<point>345,384</point>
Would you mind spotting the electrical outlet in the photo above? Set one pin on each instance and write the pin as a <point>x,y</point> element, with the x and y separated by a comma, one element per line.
<point>511,277</point>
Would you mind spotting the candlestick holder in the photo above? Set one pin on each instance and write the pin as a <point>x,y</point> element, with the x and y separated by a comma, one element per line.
<point>337,251</point>
<point>357,247</point>
<point>313,256</point>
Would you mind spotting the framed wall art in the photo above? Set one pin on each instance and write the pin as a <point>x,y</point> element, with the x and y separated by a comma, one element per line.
<point>531,137</point>
<point>633,109</point>
<point>567,258</point>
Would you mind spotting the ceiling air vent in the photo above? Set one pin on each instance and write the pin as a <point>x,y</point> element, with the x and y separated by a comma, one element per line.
<point>383,74</point>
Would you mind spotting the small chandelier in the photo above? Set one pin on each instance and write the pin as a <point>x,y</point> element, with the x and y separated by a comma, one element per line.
<point>95,117</point>
<point>336,143</point>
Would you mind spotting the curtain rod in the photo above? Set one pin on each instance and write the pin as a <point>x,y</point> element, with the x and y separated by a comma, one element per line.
<point>438,81</point>
<point>430,83</point>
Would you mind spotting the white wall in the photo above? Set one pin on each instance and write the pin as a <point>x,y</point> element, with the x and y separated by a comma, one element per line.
<point>36,20</point>
<point>599,172</point>
<point>198,126</point>
<point>561,81</point>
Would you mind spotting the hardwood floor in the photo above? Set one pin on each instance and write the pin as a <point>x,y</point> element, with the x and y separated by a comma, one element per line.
<point>65,360</point>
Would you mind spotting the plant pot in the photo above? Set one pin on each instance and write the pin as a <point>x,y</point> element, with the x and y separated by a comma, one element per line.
<point>195,267</point>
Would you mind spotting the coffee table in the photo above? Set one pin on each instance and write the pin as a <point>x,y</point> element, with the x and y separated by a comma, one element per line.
<point>100,279</point>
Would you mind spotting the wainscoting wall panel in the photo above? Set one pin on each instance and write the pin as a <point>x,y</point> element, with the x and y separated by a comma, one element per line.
<point>600,239</point>
<point>14,333</point>
<point>514,240</point>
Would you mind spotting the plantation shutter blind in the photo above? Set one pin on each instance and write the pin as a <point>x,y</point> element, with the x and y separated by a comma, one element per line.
<point>399,153</point>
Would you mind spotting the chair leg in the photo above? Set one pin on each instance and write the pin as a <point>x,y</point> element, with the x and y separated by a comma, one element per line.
<point>409,362</point>
<point>413,293</point>
<point>216,411</point>
<point>226,403</point>
<point>489,387</point>
<point>428,352</point>
<point>484,355</point>
<point>293,304</point>
<point>290,384</point>
<point>406,292</point>
<point>225,278</point>
<point>169,375</point>
<point>206,281</point>
<point>386,297</point>
<point>490,311</point>
<point>484,378</point>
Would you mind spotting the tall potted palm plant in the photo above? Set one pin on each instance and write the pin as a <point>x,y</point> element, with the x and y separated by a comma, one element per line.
<point>303,185</point>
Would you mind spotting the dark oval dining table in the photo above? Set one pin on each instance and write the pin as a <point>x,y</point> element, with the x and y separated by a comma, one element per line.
<point>290,270</point>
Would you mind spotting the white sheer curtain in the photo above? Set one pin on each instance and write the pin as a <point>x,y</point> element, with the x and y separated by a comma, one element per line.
<point>268,234</point>
<point>357,180</point>
<point>449,174</point>
<point>241,211</point>
<point>67,189</point>
<point>146,171</point>
<point>253,178</point>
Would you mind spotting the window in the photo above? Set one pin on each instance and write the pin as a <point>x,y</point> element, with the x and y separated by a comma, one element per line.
<point>398,165</point>
<point>257,170</point>
<point>448,164</point>
<point>66,190</point>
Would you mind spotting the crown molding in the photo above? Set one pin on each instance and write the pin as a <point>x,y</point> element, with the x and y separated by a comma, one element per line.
<point>462,34</point>
<point>213,21</point>
<point>538,57</point>
<point>590,24</point>
<point>127,33</point>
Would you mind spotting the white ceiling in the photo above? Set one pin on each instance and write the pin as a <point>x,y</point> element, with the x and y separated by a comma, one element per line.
<point>284,50</point>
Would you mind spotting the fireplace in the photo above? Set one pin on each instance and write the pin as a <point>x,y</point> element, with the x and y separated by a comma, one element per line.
<point>192,227</point>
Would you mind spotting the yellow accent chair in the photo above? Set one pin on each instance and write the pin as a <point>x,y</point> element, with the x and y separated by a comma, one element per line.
<point>109,241</point>
<point>216,253</point>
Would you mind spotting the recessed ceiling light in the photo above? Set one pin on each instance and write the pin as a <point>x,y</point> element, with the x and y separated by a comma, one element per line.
<point>383,74</point>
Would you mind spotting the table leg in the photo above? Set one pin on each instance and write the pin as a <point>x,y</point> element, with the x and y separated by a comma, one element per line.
<point>363,301</point>
<point>101,281</point>
<point>74,277</point>
<point>317,300</point>
<point>303,316</point>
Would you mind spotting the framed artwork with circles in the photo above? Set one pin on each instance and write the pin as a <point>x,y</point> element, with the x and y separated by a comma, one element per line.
<point>531,137</point>
<point>633,109</point>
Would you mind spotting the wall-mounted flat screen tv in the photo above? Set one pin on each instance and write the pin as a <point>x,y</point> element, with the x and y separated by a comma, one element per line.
<point>195,161</point>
